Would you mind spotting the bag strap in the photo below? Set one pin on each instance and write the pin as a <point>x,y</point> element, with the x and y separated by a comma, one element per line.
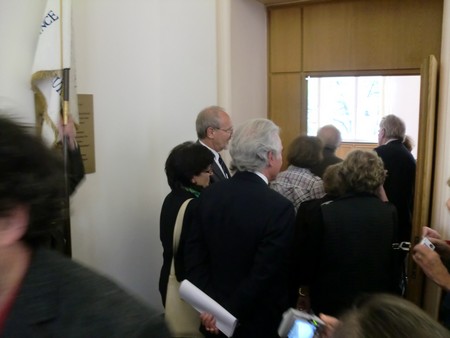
<point>177,232</point>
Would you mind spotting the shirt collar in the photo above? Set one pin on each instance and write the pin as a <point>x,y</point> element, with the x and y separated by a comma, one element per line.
<point>264,178</point>
<point>216,154</point>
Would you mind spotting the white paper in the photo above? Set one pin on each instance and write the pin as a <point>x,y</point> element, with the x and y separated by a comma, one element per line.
<point>225,321</point>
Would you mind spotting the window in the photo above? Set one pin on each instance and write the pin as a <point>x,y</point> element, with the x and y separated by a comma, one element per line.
<point>356,104</point>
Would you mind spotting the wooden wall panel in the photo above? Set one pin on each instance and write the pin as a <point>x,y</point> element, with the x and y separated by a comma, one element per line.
<point>347,147</point>
<point>285,105</point>
<point>371,35</point>
<point>285,39</point>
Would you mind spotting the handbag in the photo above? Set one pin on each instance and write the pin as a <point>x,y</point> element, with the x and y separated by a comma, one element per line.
<point>183,320</point>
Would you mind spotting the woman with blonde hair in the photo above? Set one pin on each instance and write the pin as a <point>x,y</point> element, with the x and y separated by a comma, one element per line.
<point>349,239</point>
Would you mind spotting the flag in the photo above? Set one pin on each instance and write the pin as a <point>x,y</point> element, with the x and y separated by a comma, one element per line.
<point>53,54</point>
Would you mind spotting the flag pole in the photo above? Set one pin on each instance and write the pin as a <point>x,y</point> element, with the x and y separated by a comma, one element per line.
<point>65,118</point>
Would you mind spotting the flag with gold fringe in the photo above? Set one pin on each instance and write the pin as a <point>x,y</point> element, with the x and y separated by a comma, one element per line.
<point>53,54</point>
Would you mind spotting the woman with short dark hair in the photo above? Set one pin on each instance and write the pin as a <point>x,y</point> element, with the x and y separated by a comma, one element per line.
<point>188,169</point>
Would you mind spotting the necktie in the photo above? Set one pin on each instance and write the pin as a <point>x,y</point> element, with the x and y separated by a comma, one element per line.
<point>224,167</point>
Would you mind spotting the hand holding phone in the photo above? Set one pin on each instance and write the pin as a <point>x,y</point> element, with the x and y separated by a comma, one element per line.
<point>425,241</point>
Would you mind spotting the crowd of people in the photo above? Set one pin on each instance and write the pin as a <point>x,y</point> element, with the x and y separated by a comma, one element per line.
<point>318,236</point>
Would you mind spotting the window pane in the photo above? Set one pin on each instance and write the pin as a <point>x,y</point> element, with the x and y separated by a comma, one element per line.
<point>355,105</point>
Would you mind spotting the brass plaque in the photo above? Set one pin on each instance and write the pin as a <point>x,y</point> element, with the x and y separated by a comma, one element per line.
<point>85,131</point>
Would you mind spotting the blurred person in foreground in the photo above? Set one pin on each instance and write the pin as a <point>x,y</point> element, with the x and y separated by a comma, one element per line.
<point>241,236</point>
<point>41,292</point>
<point>188,170</point>
<point>435,264</point>
<point>383,316</point>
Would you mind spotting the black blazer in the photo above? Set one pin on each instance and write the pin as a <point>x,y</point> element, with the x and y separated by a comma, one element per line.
<point>329,158</point>
<point>399,184</point>
<point>60,298</point>
<point>237,251</point>
<point>344,249</point>
<point>169,212</point>
<point>217,174</point>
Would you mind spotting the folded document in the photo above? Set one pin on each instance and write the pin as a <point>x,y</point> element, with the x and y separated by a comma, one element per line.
<point>225,321</point>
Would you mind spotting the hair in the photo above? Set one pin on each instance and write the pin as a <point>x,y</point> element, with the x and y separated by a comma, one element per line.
<point>363,171</point>
<point>388,316</point>
<point>333,183</point>
<point>185,161</point>
<point>305,151</point>
<point>208,117</point>
<point>33,175</point>
<point>394,127</point>
<point>408,143</point>
<point>330,136</point>
<point>251,143</point>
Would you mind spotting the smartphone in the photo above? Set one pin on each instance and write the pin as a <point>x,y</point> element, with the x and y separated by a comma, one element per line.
<point>303,329</point>
<point>425,241</point>
<point>299,324</point>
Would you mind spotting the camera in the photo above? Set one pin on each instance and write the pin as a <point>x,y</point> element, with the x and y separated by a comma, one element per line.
<point>299,324</point>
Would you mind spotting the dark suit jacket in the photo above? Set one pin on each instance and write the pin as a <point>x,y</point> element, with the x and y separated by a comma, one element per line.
<point>60,298</point>
<point>344,249</point>
<point>399,184</point>
<point>329,158</point>
<point>169,212</point>
<point>217,174</point>
<point>237,251</point>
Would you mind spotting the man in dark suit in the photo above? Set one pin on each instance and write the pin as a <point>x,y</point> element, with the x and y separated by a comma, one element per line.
<point>331,138</point>
<point>401,171</point>
<point>214,131</point>
<point>237,250</point>
<point>43,294</point>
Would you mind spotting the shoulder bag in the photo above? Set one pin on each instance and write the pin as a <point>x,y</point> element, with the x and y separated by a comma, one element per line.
<point>183,320</point>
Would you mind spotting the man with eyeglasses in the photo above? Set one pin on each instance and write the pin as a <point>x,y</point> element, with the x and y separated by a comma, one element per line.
<point>214,131</point>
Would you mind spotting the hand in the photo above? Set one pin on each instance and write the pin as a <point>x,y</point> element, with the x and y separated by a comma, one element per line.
<point>432,266</point>
<point>209,322</point>
<point>430,233</point>
<point>330,325</point>
<point>441,247</point>
<point>68,131</point>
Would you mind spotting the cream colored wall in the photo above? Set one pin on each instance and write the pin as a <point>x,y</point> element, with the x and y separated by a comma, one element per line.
<point>440,218</point>
<point>151,65</point>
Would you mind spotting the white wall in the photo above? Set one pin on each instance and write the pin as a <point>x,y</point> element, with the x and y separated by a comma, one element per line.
<point>151,65</point>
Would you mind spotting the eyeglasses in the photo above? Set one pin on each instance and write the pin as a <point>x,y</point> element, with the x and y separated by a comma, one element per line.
<point>228,131</point>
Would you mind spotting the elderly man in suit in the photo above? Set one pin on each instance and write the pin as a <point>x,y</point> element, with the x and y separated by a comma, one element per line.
<point>237,250</point>
<point>43,294</point>
<point>214,131</point>
<point>401,171</point>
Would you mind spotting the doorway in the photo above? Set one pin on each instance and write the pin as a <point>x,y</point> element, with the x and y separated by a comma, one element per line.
<point>356,104</point>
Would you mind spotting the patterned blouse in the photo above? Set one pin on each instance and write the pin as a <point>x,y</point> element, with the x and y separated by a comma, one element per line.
<point>298,185</point>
